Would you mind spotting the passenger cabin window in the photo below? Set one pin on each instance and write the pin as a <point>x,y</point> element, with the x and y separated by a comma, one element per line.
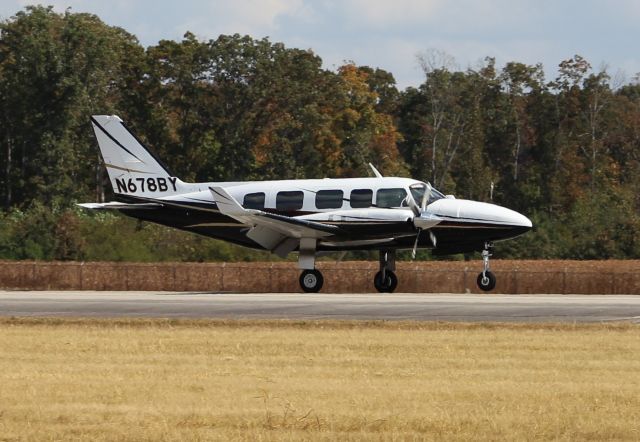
<point>361,198</point>
<point>254,201</point>
<point>390,197</point>
<point>289,200</point>
<point>329,199</point>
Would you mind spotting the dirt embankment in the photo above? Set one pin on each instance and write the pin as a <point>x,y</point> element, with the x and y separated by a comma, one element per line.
<point>520,277</point>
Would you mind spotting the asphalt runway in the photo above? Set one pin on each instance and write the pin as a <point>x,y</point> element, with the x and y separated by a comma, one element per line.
<point>421,307</point>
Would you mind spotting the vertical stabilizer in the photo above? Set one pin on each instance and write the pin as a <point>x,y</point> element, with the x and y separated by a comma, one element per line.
<point>133,170</point>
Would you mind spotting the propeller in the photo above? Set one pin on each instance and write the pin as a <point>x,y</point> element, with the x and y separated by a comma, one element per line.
<point>424,220</point>
<point>415,245</point>
<point>432,237</point>
<point>417,210</point>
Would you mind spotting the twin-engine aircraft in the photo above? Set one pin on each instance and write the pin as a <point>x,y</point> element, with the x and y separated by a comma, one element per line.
<point>308,216</point>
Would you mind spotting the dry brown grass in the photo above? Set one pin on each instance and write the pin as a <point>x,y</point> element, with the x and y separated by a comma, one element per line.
<point>278,380</point>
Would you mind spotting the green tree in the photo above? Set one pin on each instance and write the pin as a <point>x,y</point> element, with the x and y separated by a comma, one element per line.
<point>56,70</point>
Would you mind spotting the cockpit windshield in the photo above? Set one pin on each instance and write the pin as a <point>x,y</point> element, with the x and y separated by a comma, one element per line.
<point>418,190</point>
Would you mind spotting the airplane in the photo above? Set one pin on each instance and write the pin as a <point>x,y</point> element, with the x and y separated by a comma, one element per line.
<point>308,216</point>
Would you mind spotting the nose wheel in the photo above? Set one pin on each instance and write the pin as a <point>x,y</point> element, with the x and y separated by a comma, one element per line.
<point>486,279</point>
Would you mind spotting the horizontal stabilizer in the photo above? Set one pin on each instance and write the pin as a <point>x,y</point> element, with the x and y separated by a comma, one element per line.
<point>114,205</point>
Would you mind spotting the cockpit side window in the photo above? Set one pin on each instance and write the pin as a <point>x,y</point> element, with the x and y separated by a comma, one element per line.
<point>435,195</point>
<point>418,190</point>
<point>393,197</point>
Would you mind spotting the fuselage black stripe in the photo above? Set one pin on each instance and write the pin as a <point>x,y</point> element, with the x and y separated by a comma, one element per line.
<point>462,218</point>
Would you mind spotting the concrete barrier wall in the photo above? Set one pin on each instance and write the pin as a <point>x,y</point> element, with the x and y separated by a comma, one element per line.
<point>519,277</point>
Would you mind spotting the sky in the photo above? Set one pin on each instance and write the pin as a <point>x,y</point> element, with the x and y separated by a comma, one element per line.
<point>391,34</point>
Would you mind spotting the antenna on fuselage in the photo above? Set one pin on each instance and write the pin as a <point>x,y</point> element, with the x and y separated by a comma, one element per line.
<point>375,171</point>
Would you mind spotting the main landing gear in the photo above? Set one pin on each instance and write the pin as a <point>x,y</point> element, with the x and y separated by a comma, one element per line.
<point>386,280</point>
<point>311,280</point>
<point>486,279</point>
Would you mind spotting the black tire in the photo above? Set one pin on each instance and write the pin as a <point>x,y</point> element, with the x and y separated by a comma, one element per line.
<point>311,281</point>
<point>487,283</point>
<point>388,285</point>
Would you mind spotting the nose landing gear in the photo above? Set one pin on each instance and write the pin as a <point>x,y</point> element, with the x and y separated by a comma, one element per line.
<point>486,279</point>
<point>386,280</point>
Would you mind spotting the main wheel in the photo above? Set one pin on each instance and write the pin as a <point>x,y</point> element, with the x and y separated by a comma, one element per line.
<point>387,284</point>
<point>311,281</point>
<point>486,281</point>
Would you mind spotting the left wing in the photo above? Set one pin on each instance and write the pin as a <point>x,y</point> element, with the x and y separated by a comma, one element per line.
<point>278,233</point>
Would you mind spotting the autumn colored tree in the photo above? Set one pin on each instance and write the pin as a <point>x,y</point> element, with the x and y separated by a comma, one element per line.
<point>565,152</point>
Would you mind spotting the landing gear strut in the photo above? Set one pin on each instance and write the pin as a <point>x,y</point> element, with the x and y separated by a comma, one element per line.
<point>486,279</point>
<point>311,280</point>
<point>386,280</point>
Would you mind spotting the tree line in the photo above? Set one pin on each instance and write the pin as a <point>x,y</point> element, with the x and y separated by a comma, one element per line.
<point>564,151</point>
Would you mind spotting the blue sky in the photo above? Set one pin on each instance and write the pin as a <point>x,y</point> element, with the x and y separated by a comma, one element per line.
<point>390,34</point>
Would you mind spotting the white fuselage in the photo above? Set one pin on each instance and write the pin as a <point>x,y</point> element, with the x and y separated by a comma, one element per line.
<point>307,216</point>
<point>452,209</point>
<point>309,189</point>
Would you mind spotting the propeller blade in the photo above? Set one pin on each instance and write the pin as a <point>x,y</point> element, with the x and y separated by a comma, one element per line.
<point>425,197</point>
<point>414,206</point>
<point>433,238</point>
<point>415,245</point>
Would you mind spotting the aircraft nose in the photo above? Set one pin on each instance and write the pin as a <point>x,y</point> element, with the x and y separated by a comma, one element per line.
<point>471,211</point>
<point>494,214</point>
<point>506,223</point>
<point>512,217</point>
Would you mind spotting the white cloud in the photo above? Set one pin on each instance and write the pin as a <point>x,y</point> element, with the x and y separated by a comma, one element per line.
<point>114,9</point>
<point>630,9</point>
<point>389,34</point>
<point>439,15</point>
<point>120,6</point>
<point>385,13</point>
<point>393,55</point>
<point>254,17</point>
